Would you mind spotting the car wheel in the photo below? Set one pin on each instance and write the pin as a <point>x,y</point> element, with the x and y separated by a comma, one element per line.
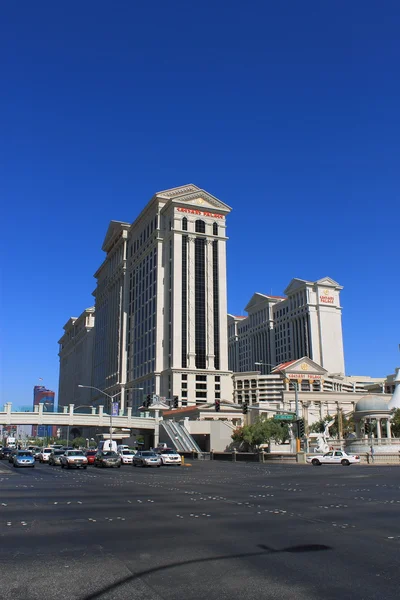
<point>158,466</point>
<point>119,466</point>
<point>143,465</point>
<point>345,462</point>
<point>85,467</point>
<point>62,465</point>
<point>315,462</point>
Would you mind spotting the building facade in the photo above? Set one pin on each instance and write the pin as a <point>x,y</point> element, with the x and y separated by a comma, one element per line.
<point>76,359</point>
<point>41,395</point>
<point>307,321</point>
<point>319,393</point>
<point>161,306</point>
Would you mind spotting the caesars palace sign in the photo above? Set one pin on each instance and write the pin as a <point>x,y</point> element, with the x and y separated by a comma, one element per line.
<point>194,211</point>
<point>325,298</point>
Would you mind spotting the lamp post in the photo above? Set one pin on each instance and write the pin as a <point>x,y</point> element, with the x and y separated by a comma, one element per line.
<point>111,398</point>
<point>296,400</point>
<point>76,408</point>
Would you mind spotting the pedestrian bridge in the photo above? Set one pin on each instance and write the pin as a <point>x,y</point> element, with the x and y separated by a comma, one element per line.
<point>97,418</point>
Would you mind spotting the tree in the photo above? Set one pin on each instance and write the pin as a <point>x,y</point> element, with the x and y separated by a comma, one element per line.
<point>261,432</point>
<point>347,425</point>
<point>396,423</point>
<point>79,442</point>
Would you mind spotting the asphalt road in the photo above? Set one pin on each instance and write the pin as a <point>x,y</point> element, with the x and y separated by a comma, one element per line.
<point>213,530</point>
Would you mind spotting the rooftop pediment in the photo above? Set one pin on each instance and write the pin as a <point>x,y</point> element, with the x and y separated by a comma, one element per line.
<point>303,366</point>
<point>191,195</point>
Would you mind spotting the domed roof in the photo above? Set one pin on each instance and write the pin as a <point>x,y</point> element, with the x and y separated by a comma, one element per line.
<point>371,404</point>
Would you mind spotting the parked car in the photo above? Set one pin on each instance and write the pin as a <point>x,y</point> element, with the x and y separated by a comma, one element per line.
<point>45,455</point>
<point>73,459</point>
<point>334,457</point>
<point>107,458</point>
<point>23,458</point>
<point>90,455</point>
<point>55,458</point>
<point>5,453</point>
<point>127,456</point>
<point>170,457</point>
<point>146,458</point>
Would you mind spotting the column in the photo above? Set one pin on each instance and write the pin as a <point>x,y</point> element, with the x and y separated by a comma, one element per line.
<point>378,429</point>
<point>388,429</point>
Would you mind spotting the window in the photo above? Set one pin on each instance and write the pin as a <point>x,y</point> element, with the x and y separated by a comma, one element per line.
<point>184,377</point>
<point>201,394</point>
<point>215,229</point>
<point>217,395</point>
<point>201,377</point>
<point>184,301</point>
<point>200,302</point>
<point>201,386</point>
<point>200,226</point>
<point>217,378</point>
<point>184,224</point>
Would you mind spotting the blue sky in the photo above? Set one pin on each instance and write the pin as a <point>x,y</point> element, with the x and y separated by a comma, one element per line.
<point>287,111</point>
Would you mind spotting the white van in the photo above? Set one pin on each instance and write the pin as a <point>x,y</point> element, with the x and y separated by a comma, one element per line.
<point>122,447</point>
<point>107,445</point>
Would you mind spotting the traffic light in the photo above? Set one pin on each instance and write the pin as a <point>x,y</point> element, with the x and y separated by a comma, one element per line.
<point>301,428</point>
<point>217,405</point>
<point>244,408</point>
<point>366,427</point>
<point>175,402</point>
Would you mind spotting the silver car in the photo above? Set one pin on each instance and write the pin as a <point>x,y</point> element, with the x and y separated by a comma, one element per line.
<point>55,457</point>
<point>146,458</point>
<point>73,459</point>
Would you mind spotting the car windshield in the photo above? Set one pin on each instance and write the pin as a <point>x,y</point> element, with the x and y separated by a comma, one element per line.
<point>91,453</point>
<point>47,450</point>
<point>152,454</point>
<point>75,453</point>
<point>110,453</point>
<point>26,453</point>
<point>168,452</point>
<point>127,452</point>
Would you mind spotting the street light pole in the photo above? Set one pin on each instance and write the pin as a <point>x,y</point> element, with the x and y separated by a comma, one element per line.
<point>296,400</point>
<point>111,398</point>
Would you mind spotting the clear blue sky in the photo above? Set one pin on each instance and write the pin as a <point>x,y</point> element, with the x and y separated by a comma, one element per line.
<point>287,111</point>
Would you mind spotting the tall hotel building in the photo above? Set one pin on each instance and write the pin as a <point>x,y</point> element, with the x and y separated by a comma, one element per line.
<point>161,302</point>
<point>307,321</point>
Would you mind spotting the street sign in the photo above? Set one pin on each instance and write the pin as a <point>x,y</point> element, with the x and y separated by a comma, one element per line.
<point>284,417</point>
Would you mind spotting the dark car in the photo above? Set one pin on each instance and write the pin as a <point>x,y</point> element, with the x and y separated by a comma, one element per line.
<point>12,454</point>
<point>5,453</point>
<point>107,458</point>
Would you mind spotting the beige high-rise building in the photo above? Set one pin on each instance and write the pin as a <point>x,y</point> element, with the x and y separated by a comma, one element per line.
<point>161,305</point>
<point>76,355</point>
<point>307,321</point>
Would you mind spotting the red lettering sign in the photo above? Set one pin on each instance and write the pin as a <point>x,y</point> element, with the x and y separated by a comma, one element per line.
<point>194,211</point>
<point>327,299</point>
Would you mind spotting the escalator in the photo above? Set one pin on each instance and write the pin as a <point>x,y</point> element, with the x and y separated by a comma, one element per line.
<point>179,436</point>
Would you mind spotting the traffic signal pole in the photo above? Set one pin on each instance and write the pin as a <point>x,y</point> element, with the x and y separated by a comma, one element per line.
<point>296,399</point>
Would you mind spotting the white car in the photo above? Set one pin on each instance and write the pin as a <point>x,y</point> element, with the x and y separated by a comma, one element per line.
<point>127,456</point>
<point>170,457</point>
<point>334,457</point>
<point>45,455</point>
<point>73,458</point>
